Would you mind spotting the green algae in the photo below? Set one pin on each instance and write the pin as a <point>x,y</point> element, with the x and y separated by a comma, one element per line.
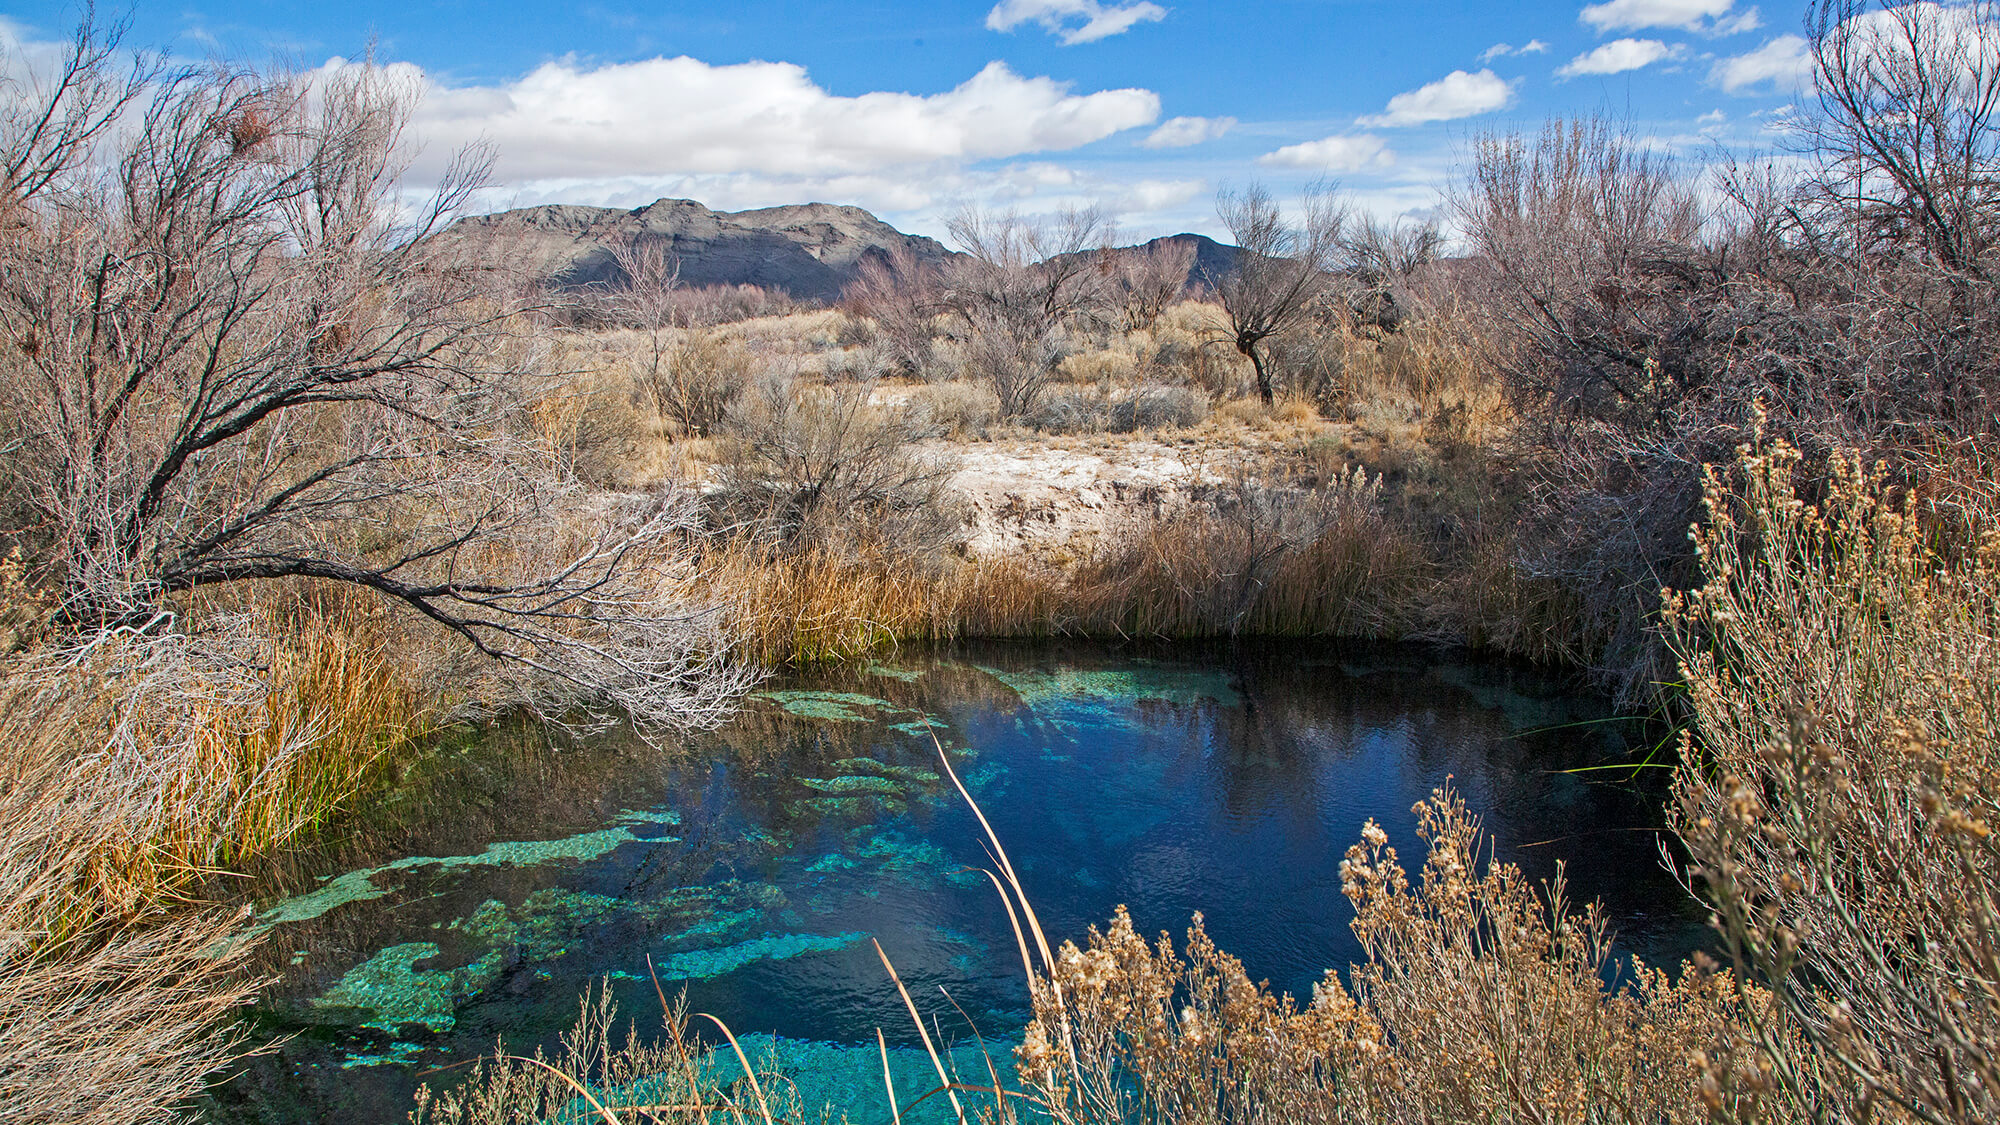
<point>834,706</point>
<point>397,992</point>
<point>360,886</point>
<point>907,675</point>
<point>872,768</point>
<point>855,808</point>
<point>398,1054</point>
<point>1167,683</point>
<point>850,785</point>
<point>705,964</point>
<point>896,854</point>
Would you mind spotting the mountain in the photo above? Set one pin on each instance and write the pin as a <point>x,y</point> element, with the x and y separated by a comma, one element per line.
<point>1212,259</point>
<point>809,251</point>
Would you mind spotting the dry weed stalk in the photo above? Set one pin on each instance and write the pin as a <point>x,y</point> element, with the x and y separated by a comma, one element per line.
<point>597,1079</point>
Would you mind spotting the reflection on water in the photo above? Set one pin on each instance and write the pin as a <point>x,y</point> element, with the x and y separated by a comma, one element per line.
<point>754,865</point>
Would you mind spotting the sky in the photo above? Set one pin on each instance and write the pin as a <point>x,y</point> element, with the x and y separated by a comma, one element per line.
<point>916,109</point>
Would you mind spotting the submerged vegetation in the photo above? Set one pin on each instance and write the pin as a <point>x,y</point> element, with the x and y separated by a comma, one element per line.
<point>288,490</point>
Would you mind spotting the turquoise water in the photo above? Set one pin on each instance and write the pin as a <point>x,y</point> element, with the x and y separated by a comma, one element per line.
<point>755,867</point>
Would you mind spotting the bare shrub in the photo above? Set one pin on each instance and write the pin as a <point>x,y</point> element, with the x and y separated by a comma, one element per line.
<point>697,380</point>
<point>1839,800</point>
<point>1151,278</point>
<point>1020,292</point>
<point>901,295</point>
<point>244,367</point>
<point>963,410</point>
<point>824,468</point>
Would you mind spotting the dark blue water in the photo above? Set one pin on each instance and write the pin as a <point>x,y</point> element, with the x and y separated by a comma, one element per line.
<point>755,866</point>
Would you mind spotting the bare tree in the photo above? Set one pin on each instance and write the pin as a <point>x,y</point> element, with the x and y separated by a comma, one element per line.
<point>230,361</point>
<point>1281,269</point>
<point>902,294</point>
<point>1385,258</point>
<point>1152,277</point>
<point>689,373</point>
<point>1021,289</point>
<point>1907,96</point>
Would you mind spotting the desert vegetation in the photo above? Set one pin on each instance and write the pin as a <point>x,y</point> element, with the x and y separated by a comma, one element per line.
<point>290,485</point>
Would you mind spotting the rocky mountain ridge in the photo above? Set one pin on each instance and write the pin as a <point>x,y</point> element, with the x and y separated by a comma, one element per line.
<point>808,251</point>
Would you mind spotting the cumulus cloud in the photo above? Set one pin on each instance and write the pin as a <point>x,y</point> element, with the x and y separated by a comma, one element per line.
<point>1354,153</point>
<point>1617,57</point>
<point>1456,95</point>
<point>682,115</point>
<point>1711,16</point>
<point>1180,132</point>
<point>1074,21</point>
<point>1502,50</point>
<point>1783,63</point>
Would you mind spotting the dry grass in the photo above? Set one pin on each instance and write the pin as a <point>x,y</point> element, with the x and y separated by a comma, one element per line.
<point>597,1080</point>
<point>1250,560</point>
<point>134,771</point>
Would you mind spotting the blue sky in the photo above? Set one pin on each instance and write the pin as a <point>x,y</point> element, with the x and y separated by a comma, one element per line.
<point>915,109</point>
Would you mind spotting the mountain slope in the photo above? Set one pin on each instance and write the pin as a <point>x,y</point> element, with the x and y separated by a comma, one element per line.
<point>810,251</point>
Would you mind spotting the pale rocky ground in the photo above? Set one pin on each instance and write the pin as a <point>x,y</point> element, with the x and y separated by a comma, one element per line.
<point>1046,500</point>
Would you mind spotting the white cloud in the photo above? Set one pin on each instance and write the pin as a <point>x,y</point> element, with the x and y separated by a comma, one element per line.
<point>1158,195</point>
<point>1749,19</point>
<point>1784,63</point>
<point>1352,153</point>
<point>1074,21</point>
<point>1456,95</point>
<point>1631,15</point>
<point>1502,50</point>
<point>684,116</point>
<point>1180,132</point>
<point>1617,57</point>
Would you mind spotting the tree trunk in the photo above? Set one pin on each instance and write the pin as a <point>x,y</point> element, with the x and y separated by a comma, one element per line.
<point>1263,375</point>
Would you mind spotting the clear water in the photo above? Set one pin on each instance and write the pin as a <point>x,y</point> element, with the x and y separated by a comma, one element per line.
<point>755,865</point>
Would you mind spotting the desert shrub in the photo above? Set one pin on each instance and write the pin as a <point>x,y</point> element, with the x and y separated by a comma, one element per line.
<point>692,377</point>
<point>899,297</point>
<point>1840,793</point>
<point>1023,296</point>
<point>1156,407</point>
<point>1071,412</point>
<point>964,410</point>
<point>824,467</point>
<point>1087,411</point>
<point>1482,999</point>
